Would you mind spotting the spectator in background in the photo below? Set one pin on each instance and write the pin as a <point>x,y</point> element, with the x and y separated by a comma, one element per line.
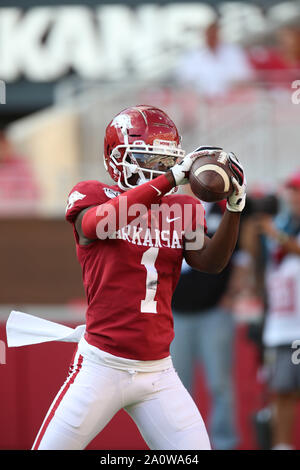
<point>282,324</point>
<point>204,333</point>
<point>216,68</point>
<point>18,189</point>
<point>279,64</point>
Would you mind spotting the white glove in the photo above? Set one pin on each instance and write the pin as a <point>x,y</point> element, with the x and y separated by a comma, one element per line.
<point>236,202</point>
<point>181,170</point>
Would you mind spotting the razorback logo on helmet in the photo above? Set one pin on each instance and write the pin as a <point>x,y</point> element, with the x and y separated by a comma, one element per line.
<point>75,196</point>
<point>122,121</point>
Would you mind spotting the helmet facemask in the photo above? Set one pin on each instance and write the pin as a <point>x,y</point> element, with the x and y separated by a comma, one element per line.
<point>145,161</point>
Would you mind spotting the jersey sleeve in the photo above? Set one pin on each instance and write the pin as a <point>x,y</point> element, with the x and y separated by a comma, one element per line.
<point>84,194</point>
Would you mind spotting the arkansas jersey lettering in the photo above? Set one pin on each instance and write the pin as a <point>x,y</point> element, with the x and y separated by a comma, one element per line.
<point>130,276</point>
<point>136,235</point>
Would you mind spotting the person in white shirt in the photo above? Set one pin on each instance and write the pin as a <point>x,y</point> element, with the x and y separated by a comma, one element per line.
<point>282,323</point>
<point>216,68</point>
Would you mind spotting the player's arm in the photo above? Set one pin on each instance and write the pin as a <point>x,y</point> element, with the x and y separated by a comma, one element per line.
<point>116,214</point>
<point>216,252</point>
<point>83,240</point>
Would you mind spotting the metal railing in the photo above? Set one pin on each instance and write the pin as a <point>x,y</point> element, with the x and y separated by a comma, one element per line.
<point>261,125</point>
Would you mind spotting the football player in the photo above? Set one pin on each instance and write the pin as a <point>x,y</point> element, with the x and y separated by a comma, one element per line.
<point>130,267</point>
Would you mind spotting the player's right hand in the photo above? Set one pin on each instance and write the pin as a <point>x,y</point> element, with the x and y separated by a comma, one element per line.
<point>181,170</point>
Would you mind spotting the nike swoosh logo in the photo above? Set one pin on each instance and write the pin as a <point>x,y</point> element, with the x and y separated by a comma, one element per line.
<point>171,220</point>
<point>158,191</point>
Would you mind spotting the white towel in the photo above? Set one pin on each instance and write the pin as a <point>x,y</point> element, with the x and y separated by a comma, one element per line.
<point>23,329</point>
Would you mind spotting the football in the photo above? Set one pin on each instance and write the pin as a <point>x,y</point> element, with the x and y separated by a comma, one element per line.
<point>210,177</point>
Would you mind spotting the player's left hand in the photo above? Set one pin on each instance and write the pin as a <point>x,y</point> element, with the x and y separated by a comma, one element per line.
<point>236,202</point>
<point>181,170</point>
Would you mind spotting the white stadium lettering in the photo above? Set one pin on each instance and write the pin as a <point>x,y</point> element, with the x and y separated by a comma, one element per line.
<point>80,37</point>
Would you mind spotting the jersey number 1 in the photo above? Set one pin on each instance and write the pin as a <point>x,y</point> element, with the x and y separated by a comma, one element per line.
<point>149,305</point>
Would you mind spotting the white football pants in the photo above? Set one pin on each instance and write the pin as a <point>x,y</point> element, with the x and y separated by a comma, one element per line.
<point>92,394</point>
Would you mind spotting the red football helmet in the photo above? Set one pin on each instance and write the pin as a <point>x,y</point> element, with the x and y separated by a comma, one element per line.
<point>140,140</point>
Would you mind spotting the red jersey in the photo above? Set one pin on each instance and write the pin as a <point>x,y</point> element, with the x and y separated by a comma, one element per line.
<point>129,280</point>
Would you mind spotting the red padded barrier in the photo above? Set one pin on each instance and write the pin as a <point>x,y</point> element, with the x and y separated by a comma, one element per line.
<point>32,376</point>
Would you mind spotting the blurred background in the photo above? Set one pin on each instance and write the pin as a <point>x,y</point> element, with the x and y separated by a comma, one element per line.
<point>228,74</point>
